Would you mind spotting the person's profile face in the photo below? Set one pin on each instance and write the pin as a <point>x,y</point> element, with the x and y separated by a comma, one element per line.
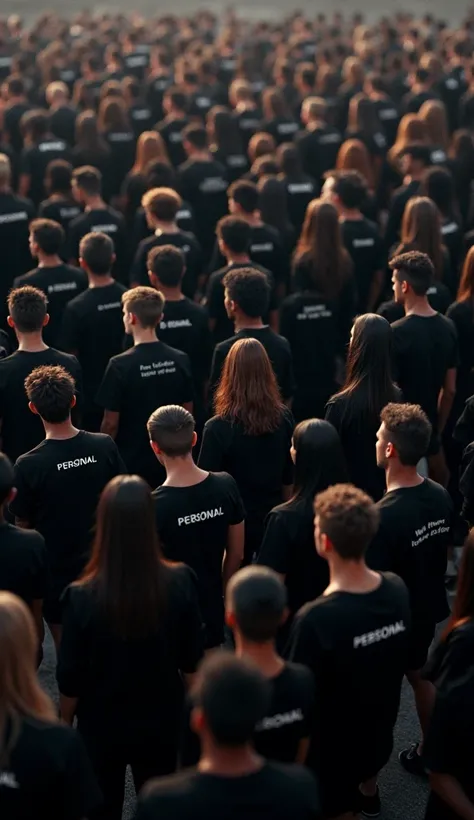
<point>32,244</point>
<point>76,192</point>
<point>293,451</point>
<point>398,294</point>
<point>228,304</point>
<point>127,319</point>
<point>318,537</point>
<point>381,447</point>
<point>232,206</point>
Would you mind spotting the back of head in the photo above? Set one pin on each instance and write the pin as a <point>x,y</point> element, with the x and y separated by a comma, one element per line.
<point>196,136</point>
<point>7,478</point>
<point>88,180</point>
<point>245,194</point>
<point>319,459</point>
<point>315,108</point>
<point>235,233</point>
<point>232,696</point>
<point>368,381</point>
<point>168,264</point>
<point>159,174</point>
<point>58,176</point>
<point>273,203</point>
<point>34,125</point>
<point>51,390</point>
<point>96,251</point>
<point>146,304</point>
<point>348,518</point>
<point>321,243</point>
<point>48,235</point>
<point>162,203</point>
<point>256,603</point>
<point>27,307</point>
<point>438,185</point>
<point>171,428</point>
<point>249,289</point>
<point>415,268</point>
<point>354,156</point>
<point>408,429</point>
<point>351,189</point>
<point>289,159</point>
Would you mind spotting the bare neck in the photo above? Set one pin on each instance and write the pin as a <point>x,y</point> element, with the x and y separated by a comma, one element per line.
<point>264,655</point>
<point>31,342</point>
<point>399,476</point>
<point>95,203</point>
<point>183,471</point>
<point>228,762</point>
<point>418,306</point>
<point>100,281</point>
<point>144,335</point>
<point>46,260</point>
<point>351,576</point>
<point>61,431</point>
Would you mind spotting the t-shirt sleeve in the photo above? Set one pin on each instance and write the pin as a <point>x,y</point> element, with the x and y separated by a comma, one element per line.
<point>212,451</point>
<point>308,700</point>
<point>464,429</point>
<point>117,464</point>
<point>187,394</point>
<point>82,795</point>
<point>453,360</point>
<point>237,511</point>
<point>110,392</point>
<point>275,551</point>
<point>217,364</point>
<point>26,162</point>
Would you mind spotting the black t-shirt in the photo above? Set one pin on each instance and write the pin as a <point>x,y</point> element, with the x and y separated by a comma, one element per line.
<point>122,155</point>
<point>223,326</point>
<point>365,247</point>
<point>108,221</point>
<point>288,548</point>
<point>130,687</point>
<point>235,162</point>
<point>11,124</point>
<point>344,303</point>
<point>274,792</point>
<point>21,429</point>
<point>135,384</point>
<point>136,62</point>
<point>140,229</point>
<point>389,117</point>
<point>203,183</point>
<point>15,216</point>
<point>414,534</point>
<point>36,159</point>
<point>438,295</point>
<point>141,118</point>
<point>23,563</point>
<point>396,211</point>
<point>249,122</point>
<point>59,484</point>
<point>92,329</point>
<point>462,316</point>
<point>48,774</point>
<point>279,353</point>
<point>261,465</point>
<point>318,150</point>
<point>60,283</point>
<point>300,190</point>
<point>172,132</point>
<point>282,129</point>
<point>62,122</point>
<point>424,349</point>
<point>62,210</point>
<point>266,250</point>
<point>186,242</point>
<point>184,326</point>
<point>192,524</point>
<point>355,644</point>
<point>154,93</point>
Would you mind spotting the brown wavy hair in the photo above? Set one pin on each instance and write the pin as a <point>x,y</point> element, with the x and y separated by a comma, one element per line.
<point>421,231</point>
<point>411,130</point>
<point>433,113</point>
<point>321,245</point>
<point>247,392</point>
<point>466,285</point>
<point>354,156</point>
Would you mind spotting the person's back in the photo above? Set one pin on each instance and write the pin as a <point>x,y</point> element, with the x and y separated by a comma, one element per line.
<point>15,215</point>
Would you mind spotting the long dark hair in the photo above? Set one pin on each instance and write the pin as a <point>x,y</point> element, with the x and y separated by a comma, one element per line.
<point>319,461</point>
<point>421,231</point>
<point>463,607</point>
<point>88,137</point>
<point>273,204</point>
<point>368,381</point>
<point>224,131</point>
<point>321,245</point>
<point>125,567</point>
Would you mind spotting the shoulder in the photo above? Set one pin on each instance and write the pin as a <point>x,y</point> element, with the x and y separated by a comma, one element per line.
<point>293,774</point>
<point>437,491</point>
<point>179,355</point>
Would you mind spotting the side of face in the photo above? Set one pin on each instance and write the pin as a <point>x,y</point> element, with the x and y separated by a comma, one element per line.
<point>327,191</point>
<point>321,541</point>
<point>384,448</point>
<point>229,305</point>
<point>399,288</point>
<point>127,319</point>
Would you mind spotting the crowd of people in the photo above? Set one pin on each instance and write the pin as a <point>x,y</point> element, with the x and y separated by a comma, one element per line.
<point>236,413</point>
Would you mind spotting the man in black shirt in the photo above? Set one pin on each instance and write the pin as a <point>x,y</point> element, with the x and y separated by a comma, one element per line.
<point>20,429</point>
<point>199,515</point>
<point>173,125</point>
<point>58,281</point>
<point>353,638</point>
<point>230,698</point>
<point>247,294</point>
<point>16,105</point>
<point>92,325</point>
<point>387,111</point>
<point>246,113</point>
<point>136,382</point>
<point>60,205</point>
<point>414,161</point>
<point>59,483</point>
<point>319,143</point>
<point>161,207</point>
<point>15,216</point>
<point>41,147</point>
<point>415,532</point>
<point>97,216</point>
<point>62,115</point>
<point>421,91</point>
<point>425,351</point>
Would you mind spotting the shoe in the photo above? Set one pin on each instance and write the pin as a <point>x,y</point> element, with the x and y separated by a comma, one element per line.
<point>369,804</point>
<point>411,761</point>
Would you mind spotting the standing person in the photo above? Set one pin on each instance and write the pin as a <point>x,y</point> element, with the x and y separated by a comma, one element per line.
<point>40,148</point>
<point>251,426</point>
<point>97,216</point>
<point>226,142</point>
<point>447,750</point>
<point>60,206</point>
<point>358,688</point>
<point>230,697</point>
<point>126,648</point>
<point>92,323</point>
<point>20,429</point>
<point>17,105</point>
<point>461,313</point>
<point>319,143</point>
<point>172,126</point>
<point>300,187</point>
<point>414,159</point>
<point>59,482</point>
<point>45,769</point>
<point>58,281</point>
<point>438,185</point>
<point>288,540</point>
<point>15,216</point>
<point>415,532</point>
<point>114,126</point>
<point>425,351</point>
<point>148,375</point>
<point>355,409</point>
<point>246,299</point>
<point>199,514</point>
<point>90,148</point>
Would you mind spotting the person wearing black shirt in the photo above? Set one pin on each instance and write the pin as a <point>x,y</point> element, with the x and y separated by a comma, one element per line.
<point>300,187</point>
<point>139,112</point>
<point>415,532</point>
<point>246,112</point>
<point>319,143</point>
<point>174,123</point>
<point>421,91</point>
<point>20,429</point>
<point>136,382</point>
<point>353,638</point>
<point>246,298</point>
<point>386,108</point>
<point>161,207</point>
<point>41,147</point>
<point>199,515</point>
<point>59,482</point>
<point>234,236</point>
<point>58,281</point>
<point>425,351</point>
<point>230,698</point>
<point>414,160</point>
<point>46,772</point>
<point>92,324</point>
<point>16,106</point>
<point>15,216</point>
<point>127,650</point>
<point>60,204</point>
<point>62,115</point>
<point>203,183</point>
<point>97,216</point>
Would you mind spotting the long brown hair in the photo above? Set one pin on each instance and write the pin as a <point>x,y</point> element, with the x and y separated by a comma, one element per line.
<point>87,133</point>
<point>248,391</point>
<point>463,606</point>
<point>354,156</point>
<point>113,115</point>
<point>363,116</point>
<point>321,244</point>
<point>20,692</point>
<point>411,130</point>
<point>150,148</point>
<point>466,285</point>
<point>433,114</point>
<point>125,568</point>
<point>421,231</point>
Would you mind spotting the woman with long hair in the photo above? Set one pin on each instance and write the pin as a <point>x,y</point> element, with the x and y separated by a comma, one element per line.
<point>438,185</point>
<point>250,434</point>
<point>421,231</point>
<point>273,207</point>
<point>278,120</point>
<point>131,630</point>
<point>433,114</point>
<point>260,144</point>
<point>43,763</point>
<point>353,155</point>
<point>363,124</point>
<point>355,409</point>
<point>91,148</point>
<point>461,164</point>
<point>226,142</point>
<point>300,187</point>
<point>114,126</point>
<point>150,148</point>
<point>412,130</point>
<point>288,542</point>
<point>447,749</point>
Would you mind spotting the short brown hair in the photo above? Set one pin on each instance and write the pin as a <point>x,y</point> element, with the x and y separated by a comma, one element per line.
<point>145,303</point>
<point>27,306</point>
<point>162,203</point>
<point>172,429</point>
<point>51,389</point>
<point>409,429</point>
<point>349,518</point>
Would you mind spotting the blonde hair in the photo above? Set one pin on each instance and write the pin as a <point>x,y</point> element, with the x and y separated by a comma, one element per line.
<point>20,692</point>
<point>150,147</point>
<point>433,114</point>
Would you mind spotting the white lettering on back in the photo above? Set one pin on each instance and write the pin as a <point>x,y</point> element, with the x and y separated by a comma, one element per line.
<point>195,518</point>
<point>78,462</point>
<point>379,634</point>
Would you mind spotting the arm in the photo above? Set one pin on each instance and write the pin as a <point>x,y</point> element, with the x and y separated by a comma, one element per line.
<point>67,708</point>
<point>234,552</point>
<point>110,423</point>
<point>37,612</point>
<point>446,398</point>
<point>452,793</point>
<point>302,752</point>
